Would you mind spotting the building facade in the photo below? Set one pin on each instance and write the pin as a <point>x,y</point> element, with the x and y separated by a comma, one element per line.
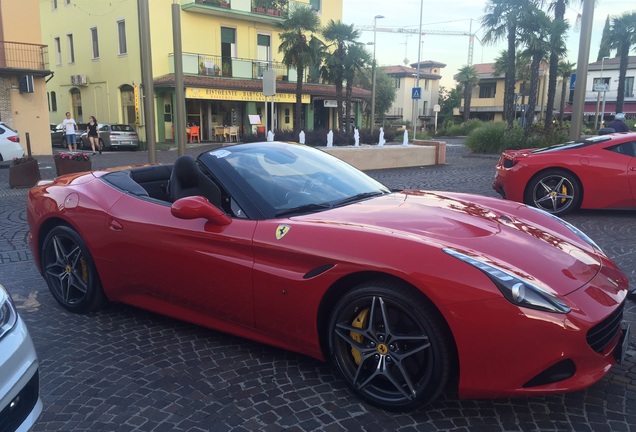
<point>23,71</point>
<point>405,80</point>
<point>601,89</point>
<point>226,47</point>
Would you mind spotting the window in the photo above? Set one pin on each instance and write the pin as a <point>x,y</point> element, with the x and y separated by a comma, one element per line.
<point>487,90</point>
<point>426,84</point>
<point>95,43</point>
<point>629,87</point>
<point>53,4</point>
<point>58,51</point>
<point>71,48</point>
<point>68,2</point>
<point>398,82</point>
<point>121,32</point>
<point>315,5</point>
<point>228,50</point>
<point>263,53</point>
<point>53,106</point>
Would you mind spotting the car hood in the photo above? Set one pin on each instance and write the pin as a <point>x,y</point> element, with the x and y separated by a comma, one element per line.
<point>511,235</point>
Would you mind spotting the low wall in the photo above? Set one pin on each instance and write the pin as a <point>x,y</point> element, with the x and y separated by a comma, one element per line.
<point>387,156</point>
<point>440,149</point>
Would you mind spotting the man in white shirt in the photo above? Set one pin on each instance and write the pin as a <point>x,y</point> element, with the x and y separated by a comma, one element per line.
<point>70,127</point>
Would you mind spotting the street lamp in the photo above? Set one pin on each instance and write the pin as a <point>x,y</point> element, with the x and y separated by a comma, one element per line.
<point>375,22</point>
<point>598,97</point>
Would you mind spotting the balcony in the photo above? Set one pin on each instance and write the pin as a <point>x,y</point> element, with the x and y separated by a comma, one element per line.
<point>226,67</point>
<point>260,11</point>
<point>23,58</point>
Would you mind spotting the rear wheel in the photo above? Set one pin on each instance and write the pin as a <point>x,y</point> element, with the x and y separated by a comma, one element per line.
<point>555,191</point>
<point>390,345</point>
<point>70,272</point>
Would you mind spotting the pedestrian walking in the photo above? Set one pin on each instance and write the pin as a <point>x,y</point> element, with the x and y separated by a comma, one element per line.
<point>93,135</point>
<point>70,127</point>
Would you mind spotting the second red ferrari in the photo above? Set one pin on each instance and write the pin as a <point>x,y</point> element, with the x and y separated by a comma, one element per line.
<point>598,172</point>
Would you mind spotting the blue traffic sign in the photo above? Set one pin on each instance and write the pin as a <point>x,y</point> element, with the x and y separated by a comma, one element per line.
<point>572,81</point>
<point>416,93</point>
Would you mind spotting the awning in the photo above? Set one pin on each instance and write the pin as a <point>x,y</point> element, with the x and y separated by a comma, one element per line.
<point>610,108</point>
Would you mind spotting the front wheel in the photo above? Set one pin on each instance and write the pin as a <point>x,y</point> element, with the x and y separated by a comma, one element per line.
<point>390,345</point>
<point>70,272</point>
<point>554,191</point>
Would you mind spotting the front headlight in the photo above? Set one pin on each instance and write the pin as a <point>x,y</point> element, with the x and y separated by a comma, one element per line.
<point>516,290</point>
<point>8,314</point>
<point>580,234</point>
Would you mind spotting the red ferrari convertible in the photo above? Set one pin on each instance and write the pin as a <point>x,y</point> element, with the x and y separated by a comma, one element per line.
<point>598,172</point>
<point>407,293</point>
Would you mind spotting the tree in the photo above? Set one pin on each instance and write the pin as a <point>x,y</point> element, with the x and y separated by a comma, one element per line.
<point>566,69</point>
<point>604,48</point>
<point>622,37</point>
<point>340,37</point>
<point>356,60</point>
<point>500,21</point>
<point>300,49</point>
<point>536,29</point>
<point>384,93</point>
<point>467,77</point>
<point>557,50</point>
<point>448,101</point>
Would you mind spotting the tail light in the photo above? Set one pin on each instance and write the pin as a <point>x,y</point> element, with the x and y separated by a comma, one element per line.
<point>15,139</point>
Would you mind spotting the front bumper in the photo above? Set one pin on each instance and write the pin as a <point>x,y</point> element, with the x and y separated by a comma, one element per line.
<point>20,403</point>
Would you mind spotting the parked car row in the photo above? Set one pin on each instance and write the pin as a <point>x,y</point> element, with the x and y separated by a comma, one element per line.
<point>111,136</point>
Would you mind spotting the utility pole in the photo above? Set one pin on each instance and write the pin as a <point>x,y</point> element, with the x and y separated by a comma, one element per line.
<point>179,92</point>
<point>146,79</point>
<point>581,69</point>
<point>416,102</point>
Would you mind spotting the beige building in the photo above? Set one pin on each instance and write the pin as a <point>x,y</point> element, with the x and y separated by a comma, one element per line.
<point>23,71</point>
<point>405,80</point>
<point>488,95</point>
<point>226,46</point>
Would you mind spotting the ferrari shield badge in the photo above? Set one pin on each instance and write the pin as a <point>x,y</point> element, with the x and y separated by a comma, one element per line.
<point>281,231</point>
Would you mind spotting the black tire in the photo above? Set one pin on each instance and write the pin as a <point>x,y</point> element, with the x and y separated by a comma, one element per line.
<point>80,144</point>
<point>70,272</point>
<point>555,191</point>
<point>101,145</point>
<point>391,345</point>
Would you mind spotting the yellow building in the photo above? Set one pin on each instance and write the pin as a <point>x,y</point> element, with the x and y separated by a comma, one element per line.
<point>488,95</point>
<point>23,70</point>
<point>226,46</point>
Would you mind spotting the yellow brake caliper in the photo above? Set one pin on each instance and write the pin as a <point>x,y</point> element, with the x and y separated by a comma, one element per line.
<point>84,270</point>
<point>359,322</point>
<point>564,191</point>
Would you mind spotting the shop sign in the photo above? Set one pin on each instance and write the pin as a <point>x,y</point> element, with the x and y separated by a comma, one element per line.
<point>331,103</point>
<point>240,95</point>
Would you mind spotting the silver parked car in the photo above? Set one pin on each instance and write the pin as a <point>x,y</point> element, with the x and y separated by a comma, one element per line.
<point>9,143</point>
<point>20,403</point>
<point>112,136</point>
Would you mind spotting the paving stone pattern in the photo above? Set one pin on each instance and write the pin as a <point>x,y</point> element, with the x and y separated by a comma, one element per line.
<point>124,369</point>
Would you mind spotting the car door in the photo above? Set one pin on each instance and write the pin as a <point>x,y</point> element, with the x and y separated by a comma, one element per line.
<point>189,269</point>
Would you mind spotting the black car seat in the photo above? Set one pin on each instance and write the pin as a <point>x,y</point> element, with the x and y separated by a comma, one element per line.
<point>188,180</point>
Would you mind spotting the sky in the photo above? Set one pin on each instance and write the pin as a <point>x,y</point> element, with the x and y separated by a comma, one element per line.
<point>456,15</point>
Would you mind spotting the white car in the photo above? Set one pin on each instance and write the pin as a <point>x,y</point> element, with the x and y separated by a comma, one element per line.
<point>9,143</point>
<point>20,403</point>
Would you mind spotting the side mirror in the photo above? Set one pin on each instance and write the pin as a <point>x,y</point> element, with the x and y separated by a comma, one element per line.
<point>196,207</point>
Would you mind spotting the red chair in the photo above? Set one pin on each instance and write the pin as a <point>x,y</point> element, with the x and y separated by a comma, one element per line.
<point>194,133</point>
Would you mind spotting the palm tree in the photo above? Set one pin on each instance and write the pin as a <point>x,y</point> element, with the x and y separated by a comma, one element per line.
<point>500,21</point>
<point>340,37</point>
<point>522,73</point>
<point>468,77</point>
<point>604,47</point>
<point>300,49</point>
<point>557,50</point>
<point>356,60</point>
<point>566,69</point>
<point>622,36</point>
<point>536,29</point>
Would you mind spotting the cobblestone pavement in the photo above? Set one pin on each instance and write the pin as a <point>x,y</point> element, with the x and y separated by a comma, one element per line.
<point>123,369</point>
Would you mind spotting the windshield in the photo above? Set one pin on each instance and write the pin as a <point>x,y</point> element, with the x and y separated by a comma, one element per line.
<point>295,179</point>
<point>573,144</point>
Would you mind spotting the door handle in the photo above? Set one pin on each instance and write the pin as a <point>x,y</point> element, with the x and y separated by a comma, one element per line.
<point>116,226</point>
